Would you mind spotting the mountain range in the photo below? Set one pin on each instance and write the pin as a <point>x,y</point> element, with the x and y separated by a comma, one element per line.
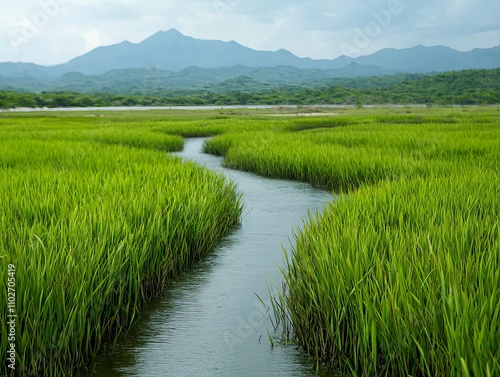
<point>171,59</point>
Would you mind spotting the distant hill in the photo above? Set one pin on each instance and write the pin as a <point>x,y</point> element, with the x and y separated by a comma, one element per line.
<point>170,60</point>
<point>433,59</point>
<point>156,81</point>
<point>171,51</point>
<point>468,87</point>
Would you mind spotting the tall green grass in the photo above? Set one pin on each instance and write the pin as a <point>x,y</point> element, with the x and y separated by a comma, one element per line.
<point>96,219</point>
<point>400,275</point>
<point>402,279</point>
<point>364,151</point>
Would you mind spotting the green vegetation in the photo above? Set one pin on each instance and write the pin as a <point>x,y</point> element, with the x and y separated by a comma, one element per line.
<point>400,275</point>
<point>402,279</point>
<point>159,83</point>
<point>471,87</point>
<point>96,218</point>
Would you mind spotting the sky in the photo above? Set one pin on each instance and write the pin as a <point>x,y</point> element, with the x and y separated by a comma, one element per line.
<point>49,32</point>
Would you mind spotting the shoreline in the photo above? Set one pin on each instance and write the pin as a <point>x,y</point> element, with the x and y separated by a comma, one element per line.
<point>214,107</point>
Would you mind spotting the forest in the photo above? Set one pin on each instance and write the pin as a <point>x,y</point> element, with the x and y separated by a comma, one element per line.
<point>468,87</point>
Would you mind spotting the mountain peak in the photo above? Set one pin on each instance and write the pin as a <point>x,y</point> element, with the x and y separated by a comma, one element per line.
<point>170,50</point>
<point>161,35</point>
<point>173,32</point>
<point>282,51</point>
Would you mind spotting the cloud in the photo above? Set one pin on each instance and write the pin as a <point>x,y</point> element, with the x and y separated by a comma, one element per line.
<point>315,28</point>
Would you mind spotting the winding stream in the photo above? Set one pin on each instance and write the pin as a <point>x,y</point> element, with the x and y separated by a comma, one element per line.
<point>209,322</point>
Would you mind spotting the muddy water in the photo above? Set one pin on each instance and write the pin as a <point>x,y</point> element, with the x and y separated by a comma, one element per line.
<point>209,322</point>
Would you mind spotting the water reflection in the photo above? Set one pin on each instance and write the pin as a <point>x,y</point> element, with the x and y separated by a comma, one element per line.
<point>209,322</point>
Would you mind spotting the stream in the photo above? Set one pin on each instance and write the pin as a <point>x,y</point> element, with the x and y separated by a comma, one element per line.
<point>209,321</point>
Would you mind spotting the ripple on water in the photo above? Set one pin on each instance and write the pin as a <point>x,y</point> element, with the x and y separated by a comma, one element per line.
<point>209,321</point>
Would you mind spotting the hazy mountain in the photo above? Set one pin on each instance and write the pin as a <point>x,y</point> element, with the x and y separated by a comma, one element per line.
<point>433,59</point>
<point>169,59</point>
<point>26,70</point>
<point>154,81</point>
<point>172,51</point>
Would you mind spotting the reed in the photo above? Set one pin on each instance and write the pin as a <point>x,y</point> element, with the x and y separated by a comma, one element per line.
<point>365,151</point>
<point>402,279</point>
<point>399,276</point>
<point>97,220</point>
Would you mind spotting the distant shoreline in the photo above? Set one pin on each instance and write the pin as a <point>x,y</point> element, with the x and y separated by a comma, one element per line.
<point>208,107</point>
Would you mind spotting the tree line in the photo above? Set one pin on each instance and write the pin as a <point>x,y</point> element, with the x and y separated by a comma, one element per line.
<point>469,87</point>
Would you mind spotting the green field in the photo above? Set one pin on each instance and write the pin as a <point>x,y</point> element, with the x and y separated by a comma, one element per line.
<point>399,276</point>
<point>96,219</point>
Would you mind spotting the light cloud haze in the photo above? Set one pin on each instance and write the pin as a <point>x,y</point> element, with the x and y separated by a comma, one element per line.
<point>50,32</point>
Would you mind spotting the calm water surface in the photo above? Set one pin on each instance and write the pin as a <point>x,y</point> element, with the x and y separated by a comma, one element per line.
<point>209,322</point>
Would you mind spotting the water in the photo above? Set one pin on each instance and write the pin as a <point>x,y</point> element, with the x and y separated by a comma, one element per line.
<point>209,322</point>
<point>205,107</point>
<point>145,108</point>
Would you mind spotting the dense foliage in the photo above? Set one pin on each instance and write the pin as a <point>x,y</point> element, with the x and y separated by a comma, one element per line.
<point>152,81</point>
<point>471,87</point>
<point>400,275</point>
<point>97,219</point>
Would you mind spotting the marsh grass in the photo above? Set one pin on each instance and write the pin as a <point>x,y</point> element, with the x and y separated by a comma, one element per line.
<point>400,275</point>
<point>402,279</point>
<point>96,221</point>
